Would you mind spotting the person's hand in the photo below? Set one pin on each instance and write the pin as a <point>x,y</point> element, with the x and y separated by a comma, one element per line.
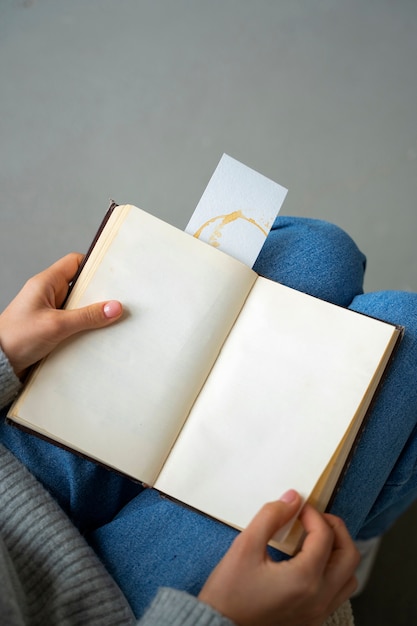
<point>33,324</point>
<point>252,590</point>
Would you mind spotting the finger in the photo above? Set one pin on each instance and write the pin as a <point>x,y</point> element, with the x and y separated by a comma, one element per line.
<point>67,266</point>
<point>345,555</point>
<point>90,317</point>
<point>342,538</point>
<point>318,543</point>
<point>58,276</point>
<point>270,519</point>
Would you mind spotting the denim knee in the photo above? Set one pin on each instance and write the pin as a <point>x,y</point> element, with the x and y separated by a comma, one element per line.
<point>315,257</point>
<point>396,307</point>
<point>381,481</point>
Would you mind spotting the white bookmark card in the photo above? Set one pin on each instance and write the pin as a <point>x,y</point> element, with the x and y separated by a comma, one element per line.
<point>237,210</point>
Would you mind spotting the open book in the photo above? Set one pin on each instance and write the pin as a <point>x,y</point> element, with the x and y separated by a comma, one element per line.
<point>219,388</point>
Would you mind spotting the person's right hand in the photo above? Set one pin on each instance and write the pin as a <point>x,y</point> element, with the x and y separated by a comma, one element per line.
<point>252,590</point>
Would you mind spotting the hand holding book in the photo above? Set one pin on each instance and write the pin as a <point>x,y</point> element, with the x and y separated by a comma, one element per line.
<point>33,324</point>
<point>251,589</point>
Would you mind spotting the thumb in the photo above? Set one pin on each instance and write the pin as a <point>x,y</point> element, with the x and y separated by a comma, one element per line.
<point>272,517</point>
<point>90,317</point>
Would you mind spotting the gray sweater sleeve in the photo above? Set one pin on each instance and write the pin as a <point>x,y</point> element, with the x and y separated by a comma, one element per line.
<point>9,382</point>
<point>49,574</point>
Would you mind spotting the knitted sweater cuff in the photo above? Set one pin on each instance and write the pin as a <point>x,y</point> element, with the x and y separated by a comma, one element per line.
<point>177,608</point>
<point>9,382</point>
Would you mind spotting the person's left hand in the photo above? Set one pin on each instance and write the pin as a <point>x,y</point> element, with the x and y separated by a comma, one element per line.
<point>33,324</point>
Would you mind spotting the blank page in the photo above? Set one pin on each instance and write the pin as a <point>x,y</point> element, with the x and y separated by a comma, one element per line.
<point>279,399</point>
<point>121,394</point>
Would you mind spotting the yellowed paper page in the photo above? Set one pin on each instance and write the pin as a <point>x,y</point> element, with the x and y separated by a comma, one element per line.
<point>277,403</point>
<point>120,394</point>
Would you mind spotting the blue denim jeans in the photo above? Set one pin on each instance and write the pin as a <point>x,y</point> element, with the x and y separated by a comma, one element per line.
<point>146,541</point>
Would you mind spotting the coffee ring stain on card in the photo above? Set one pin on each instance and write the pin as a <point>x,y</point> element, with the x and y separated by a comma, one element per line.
<point>219,223</point>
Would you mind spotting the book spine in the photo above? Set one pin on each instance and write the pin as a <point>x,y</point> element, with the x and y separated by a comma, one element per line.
<point>106,218</point>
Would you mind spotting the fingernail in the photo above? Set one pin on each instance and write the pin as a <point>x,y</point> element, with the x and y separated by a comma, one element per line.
<point>289,496</point>
<point>112,309</point>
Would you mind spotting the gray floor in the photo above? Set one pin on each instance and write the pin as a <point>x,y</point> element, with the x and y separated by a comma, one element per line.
<point>136,100</point>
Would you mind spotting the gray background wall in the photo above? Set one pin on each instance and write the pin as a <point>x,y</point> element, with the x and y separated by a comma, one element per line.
<point>136,100</point>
